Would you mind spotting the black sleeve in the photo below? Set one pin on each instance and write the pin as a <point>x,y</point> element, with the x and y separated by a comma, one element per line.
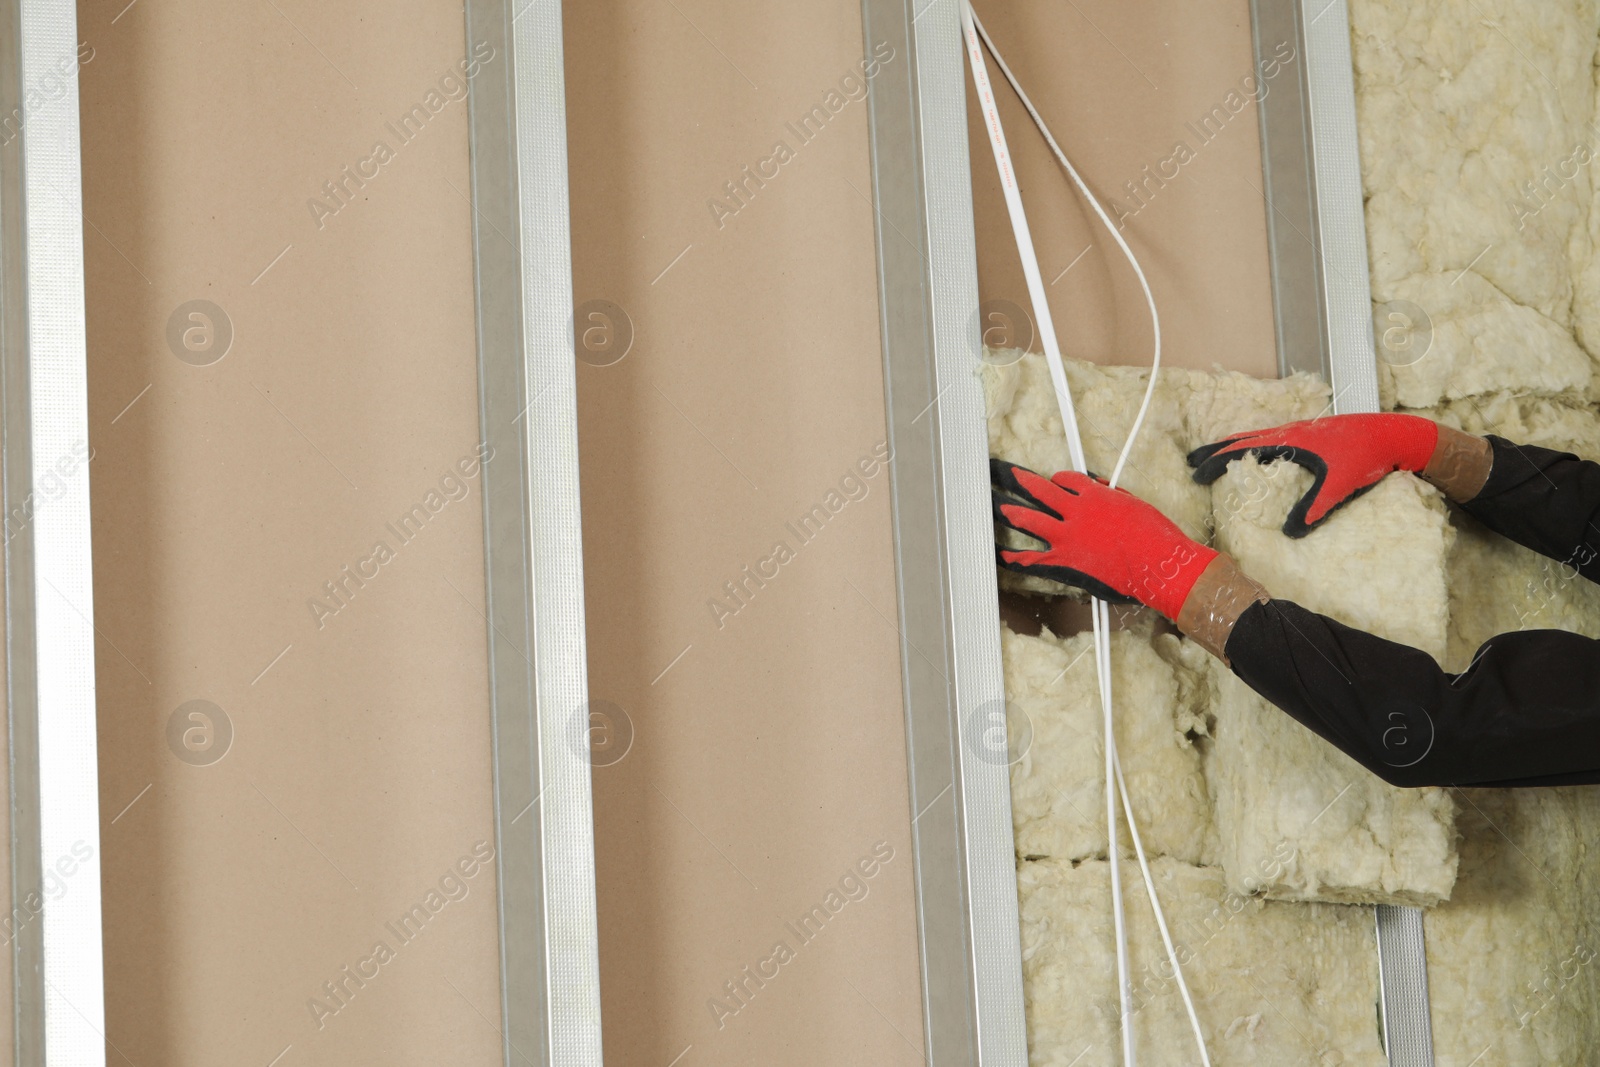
<point>1546,500</point>
<point>1525,712</point>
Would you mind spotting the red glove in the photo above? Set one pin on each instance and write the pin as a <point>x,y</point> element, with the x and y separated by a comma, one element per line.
<point>1349,454</point>
<point>1105,540</point>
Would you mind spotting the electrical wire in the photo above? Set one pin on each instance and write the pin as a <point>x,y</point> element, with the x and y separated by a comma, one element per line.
<point>1024,238</point>
<point>1069,423</point>
<point>973,29</point>
<point>1111,228</point>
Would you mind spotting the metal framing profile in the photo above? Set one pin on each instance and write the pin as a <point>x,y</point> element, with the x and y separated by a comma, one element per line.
<point>950,659</point>
<point>1322,289</point>
<point>59,998</point>
<point>944,540</point>
<point>550,986</point>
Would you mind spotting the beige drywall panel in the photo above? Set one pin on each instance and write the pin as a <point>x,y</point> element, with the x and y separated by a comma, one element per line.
<point>1154,103</point>
<point>226,495</point>
<point>769,749</point>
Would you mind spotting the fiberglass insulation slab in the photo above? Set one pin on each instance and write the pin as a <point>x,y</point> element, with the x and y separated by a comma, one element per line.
<point>1273,984</point>
<point>1058,785</point>
<point>1478,142</point>
<point>1354,837</point>
<point>1512,973</point>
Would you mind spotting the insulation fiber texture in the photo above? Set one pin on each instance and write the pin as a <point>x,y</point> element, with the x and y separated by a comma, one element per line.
<point>1356,838</point>
<point>1058,785</point>
<point>1478,132</point>
<point>1273,983</point>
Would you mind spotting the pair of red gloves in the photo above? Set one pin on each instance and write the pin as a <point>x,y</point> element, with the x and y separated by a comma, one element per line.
<point>1119,548</point>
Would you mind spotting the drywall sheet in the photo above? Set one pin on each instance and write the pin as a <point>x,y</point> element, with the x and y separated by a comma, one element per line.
<point>753,845</point>
<point>295,766</point>
<point>1155,103</point>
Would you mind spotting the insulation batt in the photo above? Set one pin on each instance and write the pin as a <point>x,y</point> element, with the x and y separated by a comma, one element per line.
<point>1355,837</point>
<point>1058,785</point>
<point>1479,141</point>
<point>1479,189</point>
<point>1274,984</point>
<point>1512,957</point>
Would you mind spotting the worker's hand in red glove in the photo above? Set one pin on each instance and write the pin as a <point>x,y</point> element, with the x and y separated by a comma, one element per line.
<point>1104,540</point>
<point>1348,454</point>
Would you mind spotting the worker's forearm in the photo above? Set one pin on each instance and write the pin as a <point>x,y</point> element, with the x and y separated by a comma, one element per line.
<point>1525,712</point>
<point>1543,499</point>
<point>1546,500</point>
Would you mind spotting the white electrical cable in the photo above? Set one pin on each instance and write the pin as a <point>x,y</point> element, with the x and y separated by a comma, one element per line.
<point>1019,228</point>
<point>1111,228</point>
<point>972,27</point>
<point>1069,422</point>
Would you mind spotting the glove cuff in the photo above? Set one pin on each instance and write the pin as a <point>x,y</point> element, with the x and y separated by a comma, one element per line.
<point>1219,596</point>
<point>1460,464</point>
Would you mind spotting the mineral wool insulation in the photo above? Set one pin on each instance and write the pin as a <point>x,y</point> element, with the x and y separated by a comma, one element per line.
<point>1478,123</point>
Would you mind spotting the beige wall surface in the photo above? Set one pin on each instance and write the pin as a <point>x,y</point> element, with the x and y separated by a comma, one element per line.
<point>226,495</point>
<point>1154,103</point>
<point>769,750</point>
<point>767,774</point>
<point>721,206</point>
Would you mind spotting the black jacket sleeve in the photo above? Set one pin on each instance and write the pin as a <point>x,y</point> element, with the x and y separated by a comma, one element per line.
<point>1525,712</point>
<point>1545,500</point>
<point>1527,709</point>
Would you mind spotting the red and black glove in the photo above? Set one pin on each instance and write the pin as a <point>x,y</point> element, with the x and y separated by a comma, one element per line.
<point>1348,454</point>
<point>1104,540</point>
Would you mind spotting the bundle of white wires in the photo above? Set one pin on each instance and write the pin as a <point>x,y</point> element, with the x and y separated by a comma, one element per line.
<point>972,30</point>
